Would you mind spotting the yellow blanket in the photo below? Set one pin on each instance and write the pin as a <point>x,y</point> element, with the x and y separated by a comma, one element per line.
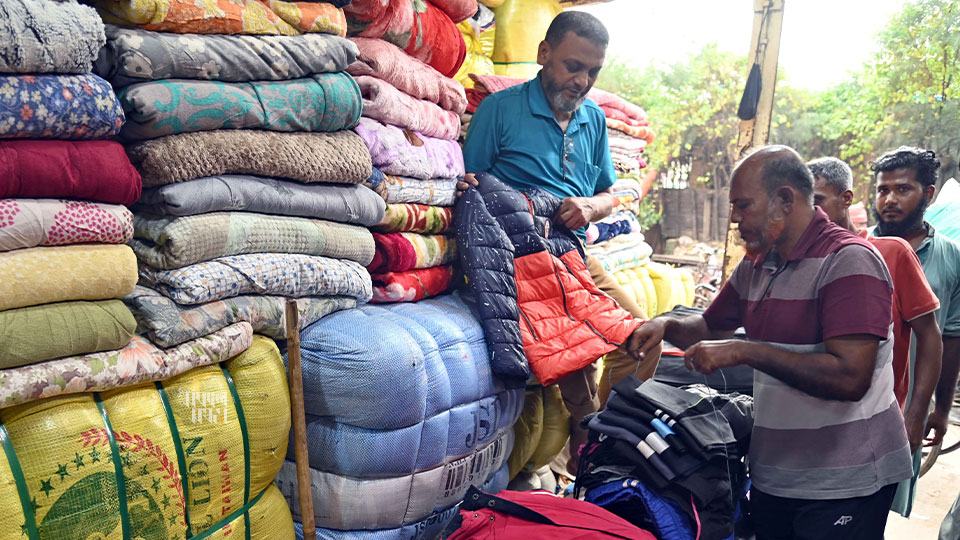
<point>41,275</point>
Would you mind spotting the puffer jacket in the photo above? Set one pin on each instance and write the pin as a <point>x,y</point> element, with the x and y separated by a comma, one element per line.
<point>535,297</point>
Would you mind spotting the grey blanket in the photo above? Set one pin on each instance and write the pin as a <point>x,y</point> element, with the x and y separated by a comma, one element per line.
<point>236,192</point>
<point>39,36</point>
<point>133,55</point>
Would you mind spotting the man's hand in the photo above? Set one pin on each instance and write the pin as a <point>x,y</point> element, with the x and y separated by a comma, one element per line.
<point>709,356</point>
<point>647,336</point>
<point>469,180</point>
<point>576,212</point>
<point>937,423</point>
<point>915,427</point>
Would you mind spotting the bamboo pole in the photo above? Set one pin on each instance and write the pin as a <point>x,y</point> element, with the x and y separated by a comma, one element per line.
<point>295,379</point>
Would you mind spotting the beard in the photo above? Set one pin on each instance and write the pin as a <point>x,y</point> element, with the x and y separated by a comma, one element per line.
<point>555,97</point>
<point>911,223</point>
<point>766,237</point>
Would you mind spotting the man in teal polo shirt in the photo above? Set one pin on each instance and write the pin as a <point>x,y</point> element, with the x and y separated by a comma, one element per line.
<point>546,134</point>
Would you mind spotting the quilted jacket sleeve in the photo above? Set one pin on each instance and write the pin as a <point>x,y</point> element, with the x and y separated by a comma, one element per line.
<point>486,256</point>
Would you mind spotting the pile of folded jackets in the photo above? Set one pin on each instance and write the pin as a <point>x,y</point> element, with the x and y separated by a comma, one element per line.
<point>669,459</point>
<point>251,172</point>
<point>403,415</point>
<point>410,123</point>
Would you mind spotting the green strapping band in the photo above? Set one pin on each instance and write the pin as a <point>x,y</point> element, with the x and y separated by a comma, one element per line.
<point>223,522</point>
<point>21,481</point>
<point>181,458</point>
<point>117,467</point>
<point>246,442</point>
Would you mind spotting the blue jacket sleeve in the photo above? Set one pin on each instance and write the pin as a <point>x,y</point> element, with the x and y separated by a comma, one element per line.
<point>482,146</point>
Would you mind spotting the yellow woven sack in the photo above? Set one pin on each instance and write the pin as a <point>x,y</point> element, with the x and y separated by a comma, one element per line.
<point>556,429</point>
<point>168,460</point>
<point>491,3</point>
<point>631,283</point>
<point>662,276</point>
<point>479,50</point>
<point>650,291</point>
<point>527,431</point>
<point>521,26</point>
<point>688,287</point>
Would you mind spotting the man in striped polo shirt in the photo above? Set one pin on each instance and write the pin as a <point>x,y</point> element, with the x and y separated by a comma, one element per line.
<point>829,443</point>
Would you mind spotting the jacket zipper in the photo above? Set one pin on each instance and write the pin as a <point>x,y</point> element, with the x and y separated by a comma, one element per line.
<point>529,326</point>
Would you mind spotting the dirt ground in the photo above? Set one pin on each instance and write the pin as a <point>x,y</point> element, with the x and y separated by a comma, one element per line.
<point>935,494</point>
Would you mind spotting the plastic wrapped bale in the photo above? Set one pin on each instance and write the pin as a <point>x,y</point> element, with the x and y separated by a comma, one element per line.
<point>479,34</point>
<point>190,456</point>
<point>689,287</point>
<point>404,414</point>
<point>521,25</point>
<point>669,286</point>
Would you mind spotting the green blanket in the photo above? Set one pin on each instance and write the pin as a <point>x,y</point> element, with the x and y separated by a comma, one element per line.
<point>38,333</point>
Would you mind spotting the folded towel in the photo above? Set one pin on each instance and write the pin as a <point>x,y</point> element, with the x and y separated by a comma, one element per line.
<point>48,37</point>
<point>58,107</point>
<point>42,275</point>
<point>407,153</point>
<point>416,218</point>
<point>277,274</point>
<point>26,223</point>
<point>323,102</point>
<point>385,61</point>
<point>384,103</point>
<point>67,329</point>
<point>138,362</point>
<point>233,192</point>
<point>411,286</point>
<point>339,157</point>
<point>399,252</point>
<point>182,241</point>
<point>272,17</point>
<point>167,323</point>
<point>92,170</point>
<point>398,189</point>
<point>132,55</point>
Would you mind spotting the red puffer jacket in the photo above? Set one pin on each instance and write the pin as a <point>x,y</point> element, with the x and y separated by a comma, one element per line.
<point>513,515</point>
<point>535,296</point>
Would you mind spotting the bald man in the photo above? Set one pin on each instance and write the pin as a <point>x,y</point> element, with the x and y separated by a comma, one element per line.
<point>828,444</point>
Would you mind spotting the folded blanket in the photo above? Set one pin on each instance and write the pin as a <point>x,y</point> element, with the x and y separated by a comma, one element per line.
<point>407,153</point>
<point>167,323</point>
<point>335,202</point>
<point>65,329</point>
<point>411,286</point>
<point>138,362</point>
<point>416,218</point>
<point>42,275</point>
<point>384,103</point>
<point>340,157</point>
<point>323,102</point>
<point>457,10</point>
<point>622,252</point>
<point>132,55</point>
<point>626,242</point>
<point>181,241</point>
<point>26,223</point>
<point>397,189</point>
<point>58,107</point>
<point>93,170</point>
<point>225,16</point>
<point>48,37</point>
<point>279,274</point>
<point>399,252</point>
<point>640,132</point>
<point>419,28</point>
<point>385,61</point>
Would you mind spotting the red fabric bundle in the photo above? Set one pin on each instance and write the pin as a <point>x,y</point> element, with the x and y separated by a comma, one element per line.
<point>92,170</point>
<point>393,253</point>
<point>617,114</point>
<point>457,10</point>
<point>411,286</point>
<point>420,28</point>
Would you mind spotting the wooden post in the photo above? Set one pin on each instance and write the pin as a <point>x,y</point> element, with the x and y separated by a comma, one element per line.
<point>764,49</point>
<point>295,379</point>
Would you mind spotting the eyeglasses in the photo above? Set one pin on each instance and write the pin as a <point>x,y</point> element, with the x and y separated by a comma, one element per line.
<point>567,159</point>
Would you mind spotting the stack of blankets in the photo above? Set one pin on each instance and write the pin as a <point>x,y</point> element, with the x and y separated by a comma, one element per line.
<point>410,123</point>
<point>250,168</point>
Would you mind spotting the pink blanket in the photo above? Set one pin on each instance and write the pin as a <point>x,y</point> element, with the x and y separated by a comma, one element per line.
<point>27,223</point>
<point>458,10</point>
<point>387,62</point>
<point>407,153</point>
<point>385,103</point>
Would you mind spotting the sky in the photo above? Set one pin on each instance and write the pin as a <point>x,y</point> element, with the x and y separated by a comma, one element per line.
<point>822,40</point>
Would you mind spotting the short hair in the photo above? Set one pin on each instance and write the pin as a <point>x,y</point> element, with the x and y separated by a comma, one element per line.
<point>580,23</point>
<point>924,162</point>
<point>787,170</point>
<point>835,172</point>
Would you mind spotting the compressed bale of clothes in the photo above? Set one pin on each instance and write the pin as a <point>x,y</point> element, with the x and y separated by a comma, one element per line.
<point>440,192</point>
<point>521,26</point>
<point>48,106</point>
<point>418,218</point>
<point>399,252</point>
<point>93,170</point>
<point>412,285</point>
<point>142,459</point>
<point>406,153</point>
<point>42,275</point>
<point>339,157</point>
<point>343,203</point>
<point>168,243</point>
<point>26,223</point>
<point>48,37</point>
<point>387,62</point>
<point>479,34</point>
<point>132,56</point>
<point>386,104</point>
<point>270,17</point>
<point>325,102</point>
<point>433,418</point>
